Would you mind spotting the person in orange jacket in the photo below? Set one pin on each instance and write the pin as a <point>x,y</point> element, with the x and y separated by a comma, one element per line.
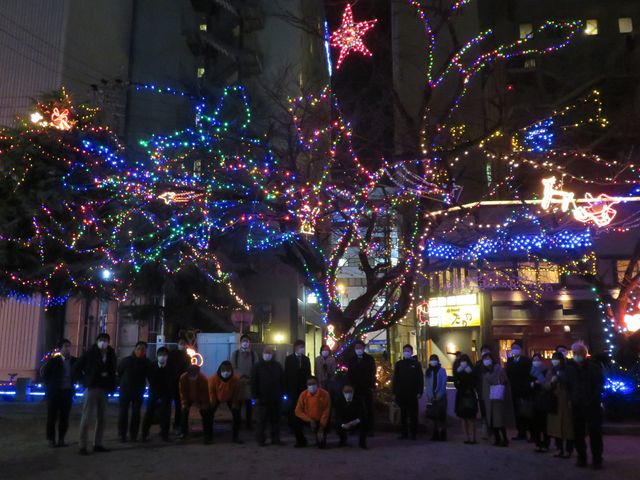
<point>194,390</point>
<point>314,408</point>
<point>226,387</point>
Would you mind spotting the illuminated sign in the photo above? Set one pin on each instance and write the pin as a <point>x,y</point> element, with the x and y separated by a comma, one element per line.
<point>455,311</point>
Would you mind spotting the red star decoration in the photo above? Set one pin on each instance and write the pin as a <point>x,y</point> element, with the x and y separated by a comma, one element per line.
<point>348,37</point>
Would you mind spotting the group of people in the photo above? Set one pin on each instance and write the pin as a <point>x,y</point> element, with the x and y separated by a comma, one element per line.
<point>562,400</point>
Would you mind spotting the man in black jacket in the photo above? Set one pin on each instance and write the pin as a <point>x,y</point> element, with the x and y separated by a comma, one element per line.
<point>267,389</point>
<point>297,370</point>
<point>407,387</point>
<point>58,379</point>
<point>362,375</point>
<point>133,372</point>
<point>585,382</point>
<point>519,373</point>
<point>350,415</point>
<point>160,394</point>
<point>97,368</point>
<point>179,362</point>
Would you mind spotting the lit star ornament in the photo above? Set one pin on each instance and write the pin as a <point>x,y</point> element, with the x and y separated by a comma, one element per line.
<point>348,38</point>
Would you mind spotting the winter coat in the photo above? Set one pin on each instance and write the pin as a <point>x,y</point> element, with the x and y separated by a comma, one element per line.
<point>225,390</point>
<point>466,404</point>
<point>440,391</point>
<point>325,369</point>
<point>519,375</point>
<point>132,375</point>
<point>314,407</point>
<point>190,394</point>
<point>160,382</point>
<point>362,373</point>
<point>499,412</point>
<point>242,363</point>
<point>178,362</point>
<point>560,422</point>
<point>585,383</point>
<point>94,372</point>
<point>297,370</point>
<point>267,382</point>
<point>53,372</point>
<point>408,380</point>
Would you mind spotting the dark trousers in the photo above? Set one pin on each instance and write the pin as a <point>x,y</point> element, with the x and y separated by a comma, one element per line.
<point>58,408</point>
<point>408,415</point>
<point>206,415</point>
<point>133,400</point>
<point>160,407</point>
<point>321,439</point>
<point>177,405</point>
<point>539,429</point>
<point>235,414</point>
<point>522,421</point>
<point>588,421</point>
<point>343,434</point>
<point>268,413</point>
<point>295,424</point>
<point>248,411</point>
<point>367,398</point>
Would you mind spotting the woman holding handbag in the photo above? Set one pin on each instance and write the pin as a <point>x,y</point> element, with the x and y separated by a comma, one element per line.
<point>497,398</point>
<point>435,388</point>
<point>466,406</point>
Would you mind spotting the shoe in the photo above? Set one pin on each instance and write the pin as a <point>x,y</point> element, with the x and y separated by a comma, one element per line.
<point>519,437</point>
<point>123,439</point>
<point>100,449</point>
<point>412,437</point>
<point>145,438</point>
<point>363,446</point>
<point>62,444</point>
<point>567,455</point>
<point>343,443</point>
<point>597,465</point>
<point>165,438</point>
<point>51,444</point>
<point>560,454</point>
<point>237,441</point>
<point>83,452</point>
<point>403,437</point>
<point>504,443</point>
<point>277,442</point>
<point>262,443</point>
<point>299,445</point>
<point>467,442</point>
<point>443,436</point>
<point>581,463</point>
<point>435,437</point>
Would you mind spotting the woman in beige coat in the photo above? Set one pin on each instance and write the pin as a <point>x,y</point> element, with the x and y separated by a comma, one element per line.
<point>559,422</point>
<point>500,415</point>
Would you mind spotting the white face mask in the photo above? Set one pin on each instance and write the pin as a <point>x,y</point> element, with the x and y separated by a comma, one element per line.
<point>515,352</point>
<point>244,345</point>
<point>162,360</point>
<point>359,352</point>
<point>312,388</point>
<point>407,354</point>
<point>300,351</point>
<point>434,363</point>
<point>555,362</point>
<point>102,344</point>
<point>324,353</point>
<point>537,363</point>
<point>267,357</point>
<point>464,364</point>
<point>225,374</point>
<point>487,362</point>
<point>348,396</point>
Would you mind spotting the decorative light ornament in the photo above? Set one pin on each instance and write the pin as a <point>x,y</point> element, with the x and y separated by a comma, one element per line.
<point>60,119</point>
<point>331,336</point>
<point>36,117</point>
<point>196,358</point>
<point>179,197</point>
<point>308,217</point>
<point>348,38</point>
<point>632,321</point>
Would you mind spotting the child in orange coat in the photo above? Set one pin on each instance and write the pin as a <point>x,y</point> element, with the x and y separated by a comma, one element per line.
<point>225,387</point>
<point>194,392</point>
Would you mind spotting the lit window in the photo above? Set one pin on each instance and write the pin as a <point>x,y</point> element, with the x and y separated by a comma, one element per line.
<point>200,72</point>
<point>526,30</point>
<point>530,63</point>
<point>625,25</point>
<point>592,27</point>
<point>203,27</point>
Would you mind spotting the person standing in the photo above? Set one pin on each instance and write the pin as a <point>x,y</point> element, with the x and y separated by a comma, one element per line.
<point>350,415</point>
<point>518,370</point>
<point>297,369</point>
<point>133,372</point>
<point>479,371</point>
<point>242,361</point>
<point>325,368</point>
<point>314,407</point>
<point>179,361</point>
<point>361,375</point>
<point>194,392</point>
<point>539,418</point>
<point>435,387</point>
<point>58,380</point>
<point>559,421</point>
<point>97,368</point>
<point>407,387</point>
<point>466,405</point>
<point>497,399</point>
<point>585,383</point>
<point>267,389</point>
<point>160,396</point>
<point>226,387</point>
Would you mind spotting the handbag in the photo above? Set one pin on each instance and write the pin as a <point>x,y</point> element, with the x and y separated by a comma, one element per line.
<point>496,392</point>
<point>436,410</point>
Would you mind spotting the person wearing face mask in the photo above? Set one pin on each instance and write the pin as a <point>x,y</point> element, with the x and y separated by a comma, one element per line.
<point>479,370</point>
<point>226,387</point>
<point>466,405</point>
<point>435,387</point>
<point>563,350</point>
<point>585,383</point>
<point>314,408</point>
<point>133,372</point>
<point>58,380</point>
<point>325,367</point>
<point>267,390</point>
<point>497,399</point>
<point>194,392</point>
<point>361,374</point>
<point>350,417</point>
<point>160,395</point>
<point>179,361</point>
<point>407,385</point>
<point>297,369</point>
<point>559,421</point>
<point>518,371</point>
<point>539,418</point>
<point>97,369</point>
<point>242,361</point>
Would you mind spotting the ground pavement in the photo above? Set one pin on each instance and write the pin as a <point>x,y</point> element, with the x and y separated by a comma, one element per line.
<point>24,455</point>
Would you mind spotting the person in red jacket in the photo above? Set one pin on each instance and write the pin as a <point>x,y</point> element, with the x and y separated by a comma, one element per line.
<point>194,390</point>
<point>226,387</point>
<point>314,408</point>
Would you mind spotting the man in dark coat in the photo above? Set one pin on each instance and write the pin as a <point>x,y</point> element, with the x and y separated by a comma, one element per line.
<point>160,395</point>
<point>407,387</point>
<point>267,389</point>
<point>351,416</point>
<point>297,369</point>
<point>179,361</point>
<point>519,373</point>
<point>97,369</point>
<point>362,376</point>
<point>58,379</point>
<point>133,372</point>
<point>585,382</point>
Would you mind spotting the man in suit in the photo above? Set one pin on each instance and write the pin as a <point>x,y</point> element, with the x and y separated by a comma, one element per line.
<point>160,395</point>
<point>297,370</point>
<point>362,375</point>
<point>58,379</point>
<point>351,416</point>
<point>519,373</point>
